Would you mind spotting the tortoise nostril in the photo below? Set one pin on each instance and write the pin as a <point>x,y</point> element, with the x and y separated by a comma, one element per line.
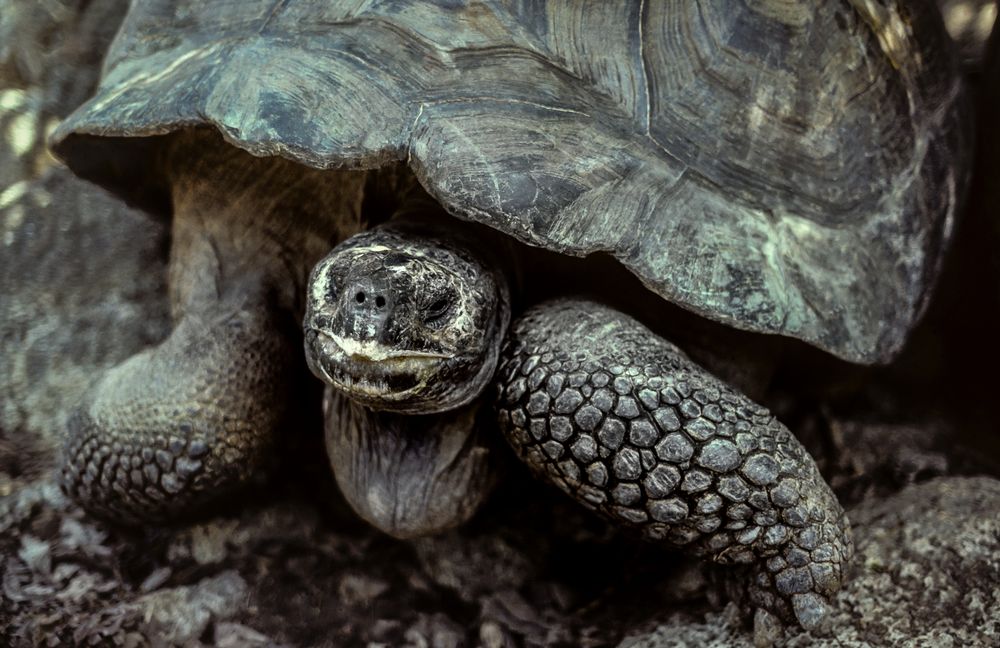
<point>368,297</point>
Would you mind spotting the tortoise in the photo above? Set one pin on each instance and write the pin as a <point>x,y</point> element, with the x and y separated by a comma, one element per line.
<point>791,169</point>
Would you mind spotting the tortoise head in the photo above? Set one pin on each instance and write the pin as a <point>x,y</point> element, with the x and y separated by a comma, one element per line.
<point>407,317</point>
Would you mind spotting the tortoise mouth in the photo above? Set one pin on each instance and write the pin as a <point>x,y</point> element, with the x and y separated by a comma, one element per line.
<point>372,375</point>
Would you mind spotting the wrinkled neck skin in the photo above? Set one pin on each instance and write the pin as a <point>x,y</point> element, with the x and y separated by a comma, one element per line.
<point>412,476</point>
<point>248,230</point>
<point>409,317</point>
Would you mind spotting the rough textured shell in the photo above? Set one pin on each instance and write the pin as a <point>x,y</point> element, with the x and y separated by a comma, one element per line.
<point>785,166</point>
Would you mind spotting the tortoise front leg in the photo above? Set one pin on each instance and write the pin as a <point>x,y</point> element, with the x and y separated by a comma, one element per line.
<point>185,422</point>
<point>624,422</point>
<point>181,424</point>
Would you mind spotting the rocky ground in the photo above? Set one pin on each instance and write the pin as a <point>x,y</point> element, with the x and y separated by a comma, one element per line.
<point>912,450</point>
<point>532,570</point>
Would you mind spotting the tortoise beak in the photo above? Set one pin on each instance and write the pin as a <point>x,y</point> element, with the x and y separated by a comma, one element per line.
<point>368,372</point>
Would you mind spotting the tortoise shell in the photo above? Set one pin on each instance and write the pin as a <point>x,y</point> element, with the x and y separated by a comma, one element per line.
<point>784,166</point>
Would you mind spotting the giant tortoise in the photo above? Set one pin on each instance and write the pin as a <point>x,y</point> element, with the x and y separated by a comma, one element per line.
<point>787,168</point>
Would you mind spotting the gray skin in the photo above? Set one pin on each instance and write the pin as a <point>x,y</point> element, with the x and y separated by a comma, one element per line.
<point>590,399</point>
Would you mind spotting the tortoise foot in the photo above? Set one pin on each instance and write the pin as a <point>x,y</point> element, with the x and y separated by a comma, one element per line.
<point>180,424</point>
<point>624,422</point>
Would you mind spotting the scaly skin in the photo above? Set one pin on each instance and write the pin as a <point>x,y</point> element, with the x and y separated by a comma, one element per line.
<point>181,424</point>
<point>625,423</point>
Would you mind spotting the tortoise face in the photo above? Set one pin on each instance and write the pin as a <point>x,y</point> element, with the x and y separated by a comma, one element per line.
<point>406,321</point>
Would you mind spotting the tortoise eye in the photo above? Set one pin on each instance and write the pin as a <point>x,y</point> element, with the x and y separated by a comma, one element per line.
<point>436,312</point>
